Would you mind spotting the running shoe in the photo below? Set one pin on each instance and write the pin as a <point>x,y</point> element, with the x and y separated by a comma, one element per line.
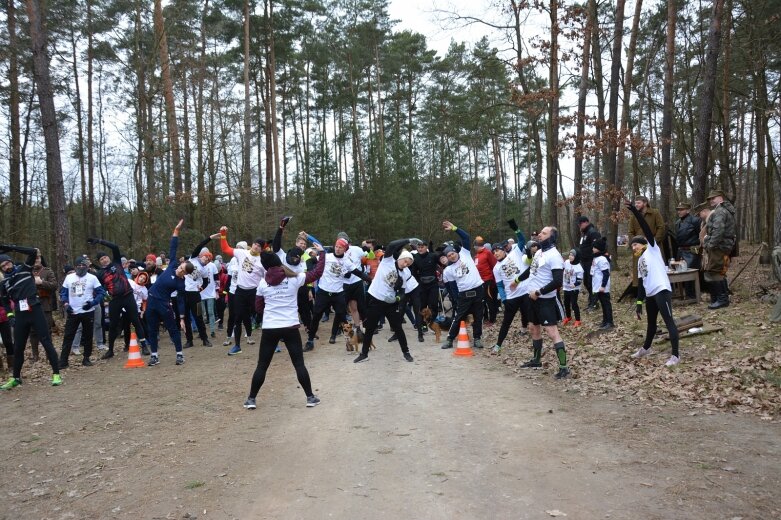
<point>250,404</point>
<point>674,360</point>
<point>496,349</point>
<point>562,373</point>
<point>641,353</point>
<point>361,357</point>
<point>408,357</point>
<point>478,343</point>
<point>107,355</point>
<point>153,360</point>
<point>76,351</point>
<point>56,380</point>
<point>235,350</point>
<point>311,401</point>
<point>13,382</point>
<point>532,363</point>
<point>180,359</point>
<point>250,341</point>
<point>309,346</point>
<point>86,362</point>
<point>332,340</point>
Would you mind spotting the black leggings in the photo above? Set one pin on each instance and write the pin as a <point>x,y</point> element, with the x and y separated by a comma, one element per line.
<point>429,297</point>
<point>116,307</point>
<point>324,299</point>
<point>269,340</point>
<point>661,303</point>
<point>375,310</point>
<point>26,321</point>
<point>511,308</point>
<point>87,322</point>
<point>243,309</point>
<point>607,307</point>
<point>192,309</point>
<point>469,302</point>
<point>571,304</point>
<point>305,305</point>
<point>232,317</point>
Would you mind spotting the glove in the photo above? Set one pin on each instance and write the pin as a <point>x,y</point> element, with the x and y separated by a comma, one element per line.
<point>92,240</point>
<point>639,309</point>
<point>513,225</point>
<point>284,221</point>
<point>87,306</point>
<point>69,309</point>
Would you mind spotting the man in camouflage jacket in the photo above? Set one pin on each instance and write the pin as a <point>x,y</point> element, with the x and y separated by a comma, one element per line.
<point>720,238</point>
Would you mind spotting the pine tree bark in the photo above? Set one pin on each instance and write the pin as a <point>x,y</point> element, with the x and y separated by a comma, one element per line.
<point>16,230</point>
<point>170,103</point>
<point>702,147</point>
<point>553,115</point>
<point>581,115</point>
<point>56,189</point>
<point>665,182</point>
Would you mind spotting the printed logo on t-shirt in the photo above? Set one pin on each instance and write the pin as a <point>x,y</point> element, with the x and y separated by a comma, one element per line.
<point>462,270</point>
<point>509,269</point>
<point>642,268</point>
<point>335,268</point>
<point>246,265</point>
<point>391,278</point>
<point>77,288</point>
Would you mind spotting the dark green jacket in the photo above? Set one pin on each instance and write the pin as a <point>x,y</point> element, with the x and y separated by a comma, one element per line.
<point>720,228</point>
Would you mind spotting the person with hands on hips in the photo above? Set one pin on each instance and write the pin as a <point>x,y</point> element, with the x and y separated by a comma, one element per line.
<point>654,287</point>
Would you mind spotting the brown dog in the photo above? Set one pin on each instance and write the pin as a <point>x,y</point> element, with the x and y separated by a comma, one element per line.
<point>442,324</point>
<point>354,340</point>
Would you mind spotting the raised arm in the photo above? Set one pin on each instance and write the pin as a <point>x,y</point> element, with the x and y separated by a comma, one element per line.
<point>111,245</point>
<point>174,246</point>
<point>276,244</point>
<point>466,241</point>
<point>649,235</point>
<point>317,272</point>
<point>197,250</point>
<point>518,233</point>
<point>224,247</point>
<point>395,247</point>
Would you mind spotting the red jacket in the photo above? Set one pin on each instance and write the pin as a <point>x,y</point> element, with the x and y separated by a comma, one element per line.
<point>485,261</point>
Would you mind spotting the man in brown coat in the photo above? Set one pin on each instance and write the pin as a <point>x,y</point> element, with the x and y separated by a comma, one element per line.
<point>655,222</point>
<point>46,283</point>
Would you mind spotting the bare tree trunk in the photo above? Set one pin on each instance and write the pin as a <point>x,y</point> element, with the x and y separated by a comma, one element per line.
<point>203,202</point>
<point>613,198</point>
<point>581,115</point>
<point>553,116</point>
<point>702,147</point>
<point>14,174</point>
<point>246,178</point>
<point>90,126</point>
<point>79,133</point>
<point>596,54</point>
<point>272,76</point>
<point>170,104</point>
<point>188,167</point>
<point>665,183</point>
<point>58,213</point>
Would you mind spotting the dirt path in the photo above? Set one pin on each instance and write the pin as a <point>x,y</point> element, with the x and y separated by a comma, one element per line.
<point>442,437</point>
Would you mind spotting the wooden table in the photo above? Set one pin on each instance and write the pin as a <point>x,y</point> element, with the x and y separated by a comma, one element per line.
<point>677,279</point>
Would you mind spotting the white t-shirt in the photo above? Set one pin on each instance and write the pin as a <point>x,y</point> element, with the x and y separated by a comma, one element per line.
<point>140,294</point>
<point>251,271</point>
<point>384,280</point>
<point>333,279</point>
<point>210,291</point>
<point>194,281</point>
<point>651,268</point>
<point>542,267</point>
<point>355,253</point>
<point>507,270</point>
<point>233,272</point>
<point>281,308</point>
<point>410,282</point>
<point>80,291</point>
<point>464,272</point>
<point>572,273</point>
<point>599,264</point>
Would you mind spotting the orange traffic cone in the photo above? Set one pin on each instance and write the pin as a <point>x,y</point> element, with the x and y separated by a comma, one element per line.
<point>463,348</point>
<point>134,355</point>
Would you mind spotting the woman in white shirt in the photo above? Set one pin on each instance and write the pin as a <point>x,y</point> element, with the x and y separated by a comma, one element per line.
<point>655,289</point>
<point>277,302</point>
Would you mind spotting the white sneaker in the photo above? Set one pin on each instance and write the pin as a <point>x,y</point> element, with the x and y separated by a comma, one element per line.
<point>674,360</point>
<point>76,351</point>
<point>250,341</point>
<point>102,347</point>
<point>641,353</point>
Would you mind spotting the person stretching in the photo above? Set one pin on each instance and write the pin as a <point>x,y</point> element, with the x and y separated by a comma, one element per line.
<point>655,289</point>
<point>112,276</point>
<point>277,302</point>
<point>387,296</point>
<point>158,307</point>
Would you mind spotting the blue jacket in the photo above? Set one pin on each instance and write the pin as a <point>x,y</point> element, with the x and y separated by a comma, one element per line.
<point>167,282</point>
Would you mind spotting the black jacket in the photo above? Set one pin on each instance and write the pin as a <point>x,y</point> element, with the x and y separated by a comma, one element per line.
<point>687,231</point>
<point>587,238</point>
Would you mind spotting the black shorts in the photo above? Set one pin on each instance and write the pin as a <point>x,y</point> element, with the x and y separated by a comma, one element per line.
<point>354,291</point>
<point>545,311</point>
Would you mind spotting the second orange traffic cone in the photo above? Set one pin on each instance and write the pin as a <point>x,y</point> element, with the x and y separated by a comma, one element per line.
<point>134,355</point>
<point>463,348</point>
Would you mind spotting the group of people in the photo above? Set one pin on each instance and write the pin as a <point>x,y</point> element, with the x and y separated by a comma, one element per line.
<point>286,290</point>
